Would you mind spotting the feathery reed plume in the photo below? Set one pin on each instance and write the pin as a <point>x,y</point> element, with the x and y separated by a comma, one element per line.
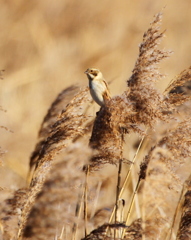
<point>148,102</point>
<point>161,171</point>
<point>133,231</point>
<point>55,204</point>
<point>111,122</point>
<point>47,208</point>
<point>178,83</point>
<point>70,124</point>
<point>140,104</point>
<point>10,213</point>
<point>184,232</point>
<point>57,106</point>
<point>99,233</point>
<point>178,90</point>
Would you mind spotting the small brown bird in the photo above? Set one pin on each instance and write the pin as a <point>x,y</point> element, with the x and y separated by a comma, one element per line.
<point>98,86</point>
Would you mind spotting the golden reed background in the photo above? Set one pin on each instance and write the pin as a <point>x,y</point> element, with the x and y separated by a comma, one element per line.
<point>47,45</point>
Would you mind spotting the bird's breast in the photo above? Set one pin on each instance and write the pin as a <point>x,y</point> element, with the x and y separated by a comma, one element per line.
<point>96,90</point>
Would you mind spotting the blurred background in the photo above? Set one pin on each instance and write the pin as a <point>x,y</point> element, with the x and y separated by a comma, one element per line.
<point>47,45</point>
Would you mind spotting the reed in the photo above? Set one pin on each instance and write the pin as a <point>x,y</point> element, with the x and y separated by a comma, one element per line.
<point>80,173</point>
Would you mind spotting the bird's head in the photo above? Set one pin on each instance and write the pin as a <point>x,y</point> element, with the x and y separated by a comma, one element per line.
<point>93,73</point>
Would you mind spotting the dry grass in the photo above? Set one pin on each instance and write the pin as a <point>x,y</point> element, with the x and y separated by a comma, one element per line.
<point>76,190</point>
<point>60,103</point>
<point>184,226</point>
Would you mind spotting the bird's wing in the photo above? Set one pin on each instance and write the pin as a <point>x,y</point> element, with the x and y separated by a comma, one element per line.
<point>106,94</point>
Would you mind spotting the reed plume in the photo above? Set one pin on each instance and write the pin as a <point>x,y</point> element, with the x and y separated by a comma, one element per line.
<point>69,125</point>
<point>162,172</point>
<point>184,231</point>
<point>71,143</point>
<point>51,117</point>
<point>141,104</point>
<point>54,209</point>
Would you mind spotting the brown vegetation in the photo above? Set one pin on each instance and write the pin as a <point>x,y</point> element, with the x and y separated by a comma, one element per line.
<point>82,181</point>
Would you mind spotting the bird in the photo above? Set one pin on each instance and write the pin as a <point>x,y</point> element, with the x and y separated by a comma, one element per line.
<point>99,89</point>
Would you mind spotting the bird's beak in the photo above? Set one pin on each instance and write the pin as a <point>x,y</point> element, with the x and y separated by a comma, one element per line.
<point>86,72</point>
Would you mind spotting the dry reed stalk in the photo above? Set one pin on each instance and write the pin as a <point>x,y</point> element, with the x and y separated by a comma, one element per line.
<point>70,124</point>
<point>118,188</point>
<point>118,191</point>
<point>78,210</point>
<point>177,214</point>
<point>126,179</point>
<point>135,191</point>
<point>86,200</point>
<point>162,180</point>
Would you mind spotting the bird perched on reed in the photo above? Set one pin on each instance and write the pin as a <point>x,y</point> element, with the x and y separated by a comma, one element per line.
<point>98,86</point>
